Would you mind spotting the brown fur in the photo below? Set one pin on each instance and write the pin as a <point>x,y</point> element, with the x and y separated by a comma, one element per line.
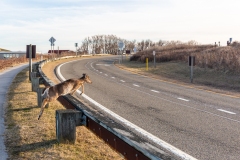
<point>69,86</point>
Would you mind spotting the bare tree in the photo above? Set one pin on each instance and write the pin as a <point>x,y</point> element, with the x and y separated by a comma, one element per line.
<point>160,43</point>
<point>109,44</point>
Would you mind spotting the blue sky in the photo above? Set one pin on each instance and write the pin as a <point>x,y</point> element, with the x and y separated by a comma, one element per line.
<point>70,21</point>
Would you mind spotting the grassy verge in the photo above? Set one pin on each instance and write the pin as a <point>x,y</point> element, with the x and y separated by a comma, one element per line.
<point>179,72</point>
<point>28,138</point>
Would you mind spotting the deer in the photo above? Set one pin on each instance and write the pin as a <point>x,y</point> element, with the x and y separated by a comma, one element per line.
<point>69,86</point>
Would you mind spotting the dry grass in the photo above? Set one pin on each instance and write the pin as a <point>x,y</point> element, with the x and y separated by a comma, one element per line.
<point>28,138</point>
<point>207,56</point>
<point>179,72</point>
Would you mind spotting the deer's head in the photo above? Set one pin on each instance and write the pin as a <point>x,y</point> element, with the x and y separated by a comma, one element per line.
<point>86,78</point>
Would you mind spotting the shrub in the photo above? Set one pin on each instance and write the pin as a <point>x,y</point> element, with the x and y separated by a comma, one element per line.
<point>208,56</point>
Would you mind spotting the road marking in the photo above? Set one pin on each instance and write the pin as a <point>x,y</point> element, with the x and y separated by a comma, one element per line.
<point>103,64</point>
<point>122,80</point>
<point>183,99</point>
<point>113,77</point>
<point>106,75</point>
<point>155,91</point>
<point>100,72</point>
<point>136,85</point>
<point>222,110</point>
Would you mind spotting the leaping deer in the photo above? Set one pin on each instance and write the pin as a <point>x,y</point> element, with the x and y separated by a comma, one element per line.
<point>67,87</point>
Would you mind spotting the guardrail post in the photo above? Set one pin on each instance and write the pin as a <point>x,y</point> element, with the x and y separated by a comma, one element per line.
<point>33,74</point>
<point>41,80</point>
<point>35,84</point>
<point>40,98</point>
<point>66,122</point>
<point>35,67</point>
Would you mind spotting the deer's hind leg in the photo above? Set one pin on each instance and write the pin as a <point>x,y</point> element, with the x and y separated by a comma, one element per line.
<point>45,101</point>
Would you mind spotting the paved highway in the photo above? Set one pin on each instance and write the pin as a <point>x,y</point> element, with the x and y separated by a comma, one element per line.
<point>203,124</point>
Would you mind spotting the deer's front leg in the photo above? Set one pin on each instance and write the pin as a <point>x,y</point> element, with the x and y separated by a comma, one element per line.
<point>82,89</point>
<point>71,93</point>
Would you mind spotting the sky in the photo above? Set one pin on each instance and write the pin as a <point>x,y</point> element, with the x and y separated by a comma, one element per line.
<point>24,22</point>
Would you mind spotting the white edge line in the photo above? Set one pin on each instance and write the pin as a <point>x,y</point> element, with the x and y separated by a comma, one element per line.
<point>136,85</point>
<point>155,91</point>
<point>222,110</point>
<point>144,133</point>
<point>183,99</point>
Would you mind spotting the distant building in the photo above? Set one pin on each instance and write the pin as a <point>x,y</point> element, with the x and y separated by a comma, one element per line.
<point>11,54</point>
<point>59,51</point>
<point>3,50</point>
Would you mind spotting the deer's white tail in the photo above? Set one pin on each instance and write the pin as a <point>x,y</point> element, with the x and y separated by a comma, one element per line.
<point>45,93</point>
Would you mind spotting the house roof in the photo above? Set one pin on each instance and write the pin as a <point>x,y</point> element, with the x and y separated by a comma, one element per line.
<point>60,51</point>
<point>2,49</point>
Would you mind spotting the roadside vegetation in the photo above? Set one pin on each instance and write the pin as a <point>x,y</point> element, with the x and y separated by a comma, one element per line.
<point>10,62</point>
<point>207,56</point>
<point>217,68</point>
<point>28,138</point>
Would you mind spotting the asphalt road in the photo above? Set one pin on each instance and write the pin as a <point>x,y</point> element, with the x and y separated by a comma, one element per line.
<point>203,124</point>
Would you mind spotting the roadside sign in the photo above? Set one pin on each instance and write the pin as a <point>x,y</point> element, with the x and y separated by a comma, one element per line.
<point>135,49</point>
<point>120,45</point>
<point>154,53</point>
<point>191,60</point>
<point>33,51</point>
<point>52,40</point>
<point>76,44</point>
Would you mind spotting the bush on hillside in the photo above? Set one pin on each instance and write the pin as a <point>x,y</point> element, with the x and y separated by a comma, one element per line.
<point>208,56</point>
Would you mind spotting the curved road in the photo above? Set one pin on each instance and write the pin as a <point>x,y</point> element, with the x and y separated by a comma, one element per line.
<point>203,124</point>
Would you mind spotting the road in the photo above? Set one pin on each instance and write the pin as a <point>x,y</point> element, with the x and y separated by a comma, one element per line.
<point>203,124</point>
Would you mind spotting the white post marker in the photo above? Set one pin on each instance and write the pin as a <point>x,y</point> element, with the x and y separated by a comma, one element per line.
<point>76,45</point>
<point>121,46</point>
<point>154,56</point>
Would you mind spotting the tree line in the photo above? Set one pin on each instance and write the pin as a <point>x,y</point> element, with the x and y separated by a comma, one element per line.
<point>109,44</point>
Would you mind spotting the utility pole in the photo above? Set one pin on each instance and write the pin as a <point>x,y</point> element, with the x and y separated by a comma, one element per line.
<point>30,61</point>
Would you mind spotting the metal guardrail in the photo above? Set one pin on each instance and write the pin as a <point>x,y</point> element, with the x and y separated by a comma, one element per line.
<point>120,143</point>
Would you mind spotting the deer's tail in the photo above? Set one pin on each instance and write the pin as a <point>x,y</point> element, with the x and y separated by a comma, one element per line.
<point>45,92</point>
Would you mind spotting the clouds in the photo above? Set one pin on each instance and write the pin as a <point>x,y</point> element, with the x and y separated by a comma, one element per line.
<point>35,21</point>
